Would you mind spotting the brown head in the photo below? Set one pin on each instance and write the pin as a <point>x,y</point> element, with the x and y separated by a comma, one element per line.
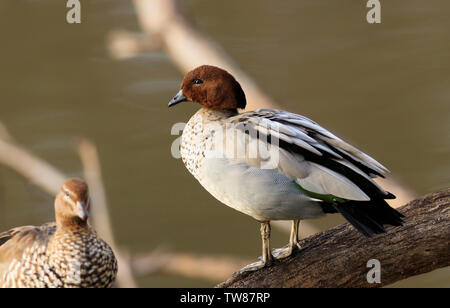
<point>211,87</point>
<point>72,204</point>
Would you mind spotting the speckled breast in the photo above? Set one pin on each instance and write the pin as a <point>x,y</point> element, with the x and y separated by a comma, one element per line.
<point>85,263</point>
<point>193,145</point>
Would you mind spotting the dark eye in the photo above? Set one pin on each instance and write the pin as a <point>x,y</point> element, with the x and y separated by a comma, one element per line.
<point>198,81</point>
<point>67,194</point>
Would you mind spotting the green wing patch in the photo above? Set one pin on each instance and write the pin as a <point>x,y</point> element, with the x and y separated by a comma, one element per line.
<point>324,197</point>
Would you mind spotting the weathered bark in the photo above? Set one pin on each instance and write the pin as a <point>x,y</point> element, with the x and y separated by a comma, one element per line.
<point>338,257</point>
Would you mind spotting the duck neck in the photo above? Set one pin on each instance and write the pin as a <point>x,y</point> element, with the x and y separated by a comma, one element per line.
<point>217,114</point>
<point>71,225</point>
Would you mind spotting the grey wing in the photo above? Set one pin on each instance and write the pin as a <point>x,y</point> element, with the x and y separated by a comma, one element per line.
<point>316,159</point>
<point>331,142</point>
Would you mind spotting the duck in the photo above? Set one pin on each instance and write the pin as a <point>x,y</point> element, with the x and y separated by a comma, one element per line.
<point>272,164</point>
<point>66,253</point>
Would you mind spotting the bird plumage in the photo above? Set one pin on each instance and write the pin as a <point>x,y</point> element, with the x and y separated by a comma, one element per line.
<point>321,163</point>
<point>276,165</point>
<point>62,254</point>
<point>15,242</point>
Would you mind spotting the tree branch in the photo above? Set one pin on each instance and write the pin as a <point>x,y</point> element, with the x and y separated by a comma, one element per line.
<point>338,257</point>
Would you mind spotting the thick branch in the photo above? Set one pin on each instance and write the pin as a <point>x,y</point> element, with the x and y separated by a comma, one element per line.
<point>37,171</point>
<point>338,257</point>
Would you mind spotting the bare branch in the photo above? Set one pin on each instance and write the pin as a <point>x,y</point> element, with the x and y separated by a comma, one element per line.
<point>124,44</point>
<point>31,167</point>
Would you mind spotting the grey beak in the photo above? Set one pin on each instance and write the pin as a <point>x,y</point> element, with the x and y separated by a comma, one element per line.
<point>81,211</point>
<point>178,98</point>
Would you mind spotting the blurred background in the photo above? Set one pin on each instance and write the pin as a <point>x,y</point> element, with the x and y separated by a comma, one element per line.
<point>384,87</point>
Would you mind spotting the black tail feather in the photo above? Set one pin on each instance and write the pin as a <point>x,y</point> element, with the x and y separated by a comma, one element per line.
<point>369,217</point>
<point>328,208</point>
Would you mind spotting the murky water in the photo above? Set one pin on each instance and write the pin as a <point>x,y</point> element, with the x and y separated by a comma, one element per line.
<point>384,87</point>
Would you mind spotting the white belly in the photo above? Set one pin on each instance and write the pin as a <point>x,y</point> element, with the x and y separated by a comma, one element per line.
<point>264,194</point>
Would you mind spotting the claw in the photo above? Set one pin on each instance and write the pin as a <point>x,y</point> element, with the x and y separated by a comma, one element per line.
<point>286,251</point>
<point>252,267</point>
